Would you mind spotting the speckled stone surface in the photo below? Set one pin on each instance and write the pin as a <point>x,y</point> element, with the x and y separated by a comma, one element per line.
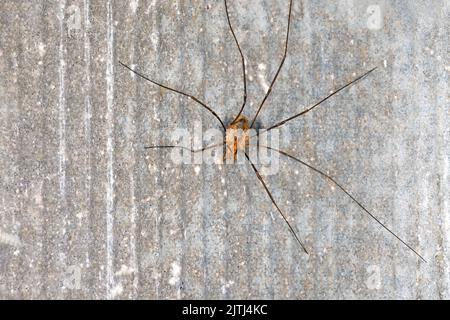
<point>87,213</point>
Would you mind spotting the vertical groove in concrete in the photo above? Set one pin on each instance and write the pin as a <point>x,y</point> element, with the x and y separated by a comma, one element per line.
<point>62,201</point>
<point>110,151</point>
<point>88,134</point>
<point>442,132</point>
<point>62,106</point>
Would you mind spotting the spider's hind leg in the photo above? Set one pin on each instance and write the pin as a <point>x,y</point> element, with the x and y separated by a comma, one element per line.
<point>260,178</point>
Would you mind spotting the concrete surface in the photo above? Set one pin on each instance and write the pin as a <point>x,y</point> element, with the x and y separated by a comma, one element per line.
<point>86,212</point>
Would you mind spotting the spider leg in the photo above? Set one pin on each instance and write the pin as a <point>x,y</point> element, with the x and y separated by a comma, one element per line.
<point>279,68</point>
<point>204,105</point>
<point>185,148</point>
<point>260,178</point>
<point>348,194</point>
<point>242,59</point>
<point>321,101</point>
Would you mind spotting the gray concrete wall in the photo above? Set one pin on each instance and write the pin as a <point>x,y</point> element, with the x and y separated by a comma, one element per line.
<point>86,212</point>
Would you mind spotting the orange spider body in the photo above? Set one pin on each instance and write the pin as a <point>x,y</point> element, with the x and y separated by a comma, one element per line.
<point>237,137</point>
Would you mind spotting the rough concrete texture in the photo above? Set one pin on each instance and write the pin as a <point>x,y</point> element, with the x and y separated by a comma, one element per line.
<point>86,212</point>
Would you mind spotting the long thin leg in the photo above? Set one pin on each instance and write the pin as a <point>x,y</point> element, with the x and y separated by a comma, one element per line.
<point>348,194</point>
<point>279,68</point>
<point>244,77</point>
<point>275,204</point>
<point>189,149</point>
<point>204,105</point>
<point>321,101</point>
<point>185,148</point>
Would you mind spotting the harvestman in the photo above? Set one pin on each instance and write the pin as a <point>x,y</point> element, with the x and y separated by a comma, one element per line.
<point>241,122</point>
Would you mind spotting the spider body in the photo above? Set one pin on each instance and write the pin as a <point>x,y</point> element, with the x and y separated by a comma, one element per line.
<point>237,137</point>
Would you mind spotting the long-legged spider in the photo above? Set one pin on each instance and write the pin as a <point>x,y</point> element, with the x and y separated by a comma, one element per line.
<point>234,144</point>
